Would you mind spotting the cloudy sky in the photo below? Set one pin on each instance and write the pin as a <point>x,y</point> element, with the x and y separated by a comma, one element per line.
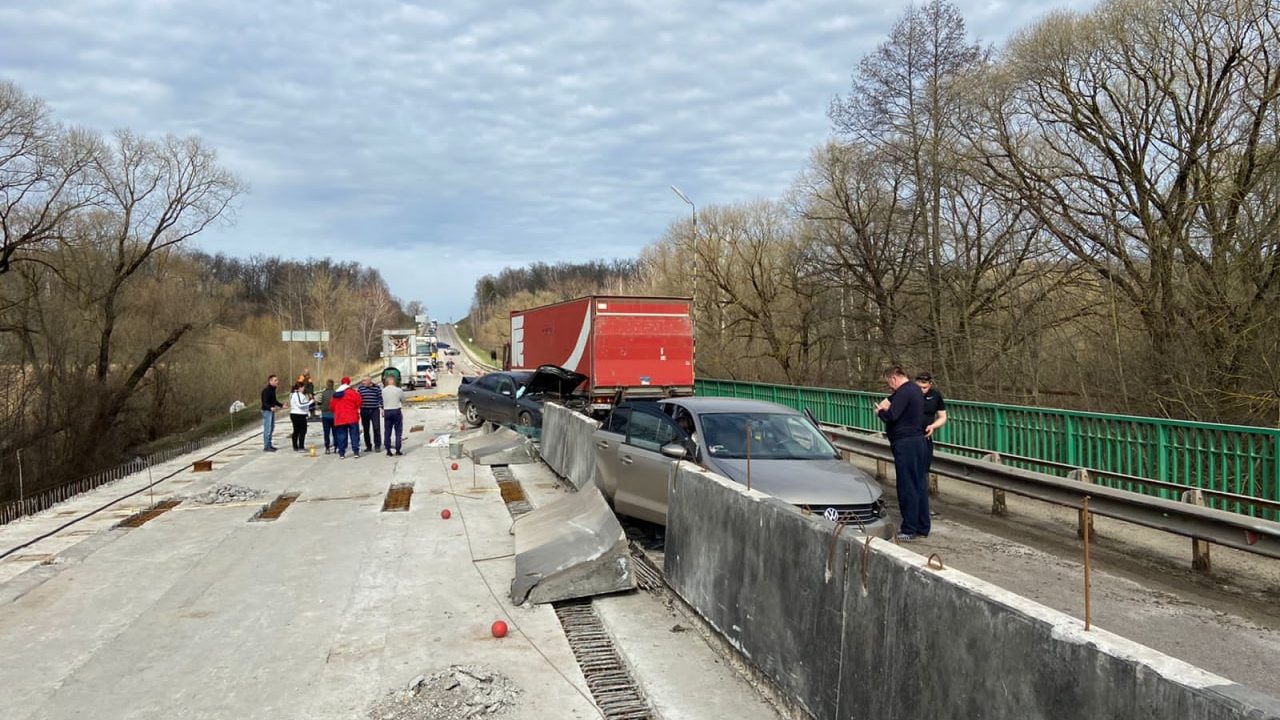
<point>439,141</point>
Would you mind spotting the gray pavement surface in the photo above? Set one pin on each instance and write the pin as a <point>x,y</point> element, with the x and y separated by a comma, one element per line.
<point>203,614</point>
<point>332,611</point>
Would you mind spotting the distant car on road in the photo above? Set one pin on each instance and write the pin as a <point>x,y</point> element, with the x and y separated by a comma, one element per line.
<point>517,397</point>
<point>789,457</point>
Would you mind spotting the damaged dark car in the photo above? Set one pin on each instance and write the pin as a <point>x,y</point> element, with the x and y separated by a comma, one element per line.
<point>516,397</point>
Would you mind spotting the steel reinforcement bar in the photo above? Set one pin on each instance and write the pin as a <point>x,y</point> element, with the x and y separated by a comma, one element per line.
<point>1228,529</point>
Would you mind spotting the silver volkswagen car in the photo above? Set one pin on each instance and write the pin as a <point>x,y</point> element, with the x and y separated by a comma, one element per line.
<point>788,456</point>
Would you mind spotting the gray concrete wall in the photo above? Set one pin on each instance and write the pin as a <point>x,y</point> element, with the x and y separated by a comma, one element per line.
<point>566,444</point>
<point>855,632</point>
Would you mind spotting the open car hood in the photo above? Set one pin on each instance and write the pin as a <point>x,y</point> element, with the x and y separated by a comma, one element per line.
<point>553,380</point>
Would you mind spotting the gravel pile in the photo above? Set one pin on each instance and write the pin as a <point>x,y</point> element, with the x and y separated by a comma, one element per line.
<point>219,494</point>
<point>457,693</point>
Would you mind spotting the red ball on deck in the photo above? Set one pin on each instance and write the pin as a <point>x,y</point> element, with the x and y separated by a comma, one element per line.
<point>453,466</point>
<point>446,514</point>
<point>499,629</point>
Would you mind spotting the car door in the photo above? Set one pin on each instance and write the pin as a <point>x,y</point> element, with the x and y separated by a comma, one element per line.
<point>482,393</point>
<point>642,469</point>
<point>503,408</point>
<point>605,443</point>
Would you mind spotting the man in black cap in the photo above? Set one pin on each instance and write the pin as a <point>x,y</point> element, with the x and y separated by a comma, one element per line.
<point>935,413</point>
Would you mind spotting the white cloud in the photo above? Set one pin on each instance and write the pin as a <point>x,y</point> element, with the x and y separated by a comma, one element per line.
<point>438,141</point>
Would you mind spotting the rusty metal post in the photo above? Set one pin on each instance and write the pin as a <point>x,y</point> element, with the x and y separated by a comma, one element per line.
<point>1082,475</point>
<point>933,484</point>
<point>881,473</point>
<point>1088,581</point>
<point>999,506</point>
<point>1199,547</point>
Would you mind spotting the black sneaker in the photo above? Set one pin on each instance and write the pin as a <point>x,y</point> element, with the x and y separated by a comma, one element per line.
<point>270,449</point>
<point>388,453</point>
<point>399,453</point>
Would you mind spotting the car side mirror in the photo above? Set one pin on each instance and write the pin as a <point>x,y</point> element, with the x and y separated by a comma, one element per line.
<point>676,451</point>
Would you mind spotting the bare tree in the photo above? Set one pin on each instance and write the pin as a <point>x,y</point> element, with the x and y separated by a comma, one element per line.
<point>41,173</point>
<point>855,213</point>
<point>152,195</point>
<point>1143,135</point>
<point>902,106</point>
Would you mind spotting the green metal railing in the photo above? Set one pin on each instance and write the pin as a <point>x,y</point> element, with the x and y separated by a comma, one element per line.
<point>1234,465</point>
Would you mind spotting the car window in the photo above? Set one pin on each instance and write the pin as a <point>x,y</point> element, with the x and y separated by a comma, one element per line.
<point>617,421</point>
<point>488,382</point>
<point>650,431</point>
<point>505,386</point>
<point>763,435</point>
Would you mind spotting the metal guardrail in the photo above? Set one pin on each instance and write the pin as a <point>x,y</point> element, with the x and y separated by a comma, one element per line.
<point>1231,463</point>
<point>1229,529</point>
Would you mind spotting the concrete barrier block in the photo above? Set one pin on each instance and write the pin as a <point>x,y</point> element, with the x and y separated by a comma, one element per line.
<point>566,444</point>
<point>848,629</point>
<point>571,548</point>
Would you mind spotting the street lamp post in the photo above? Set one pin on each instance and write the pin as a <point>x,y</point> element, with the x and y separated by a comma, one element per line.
<point>694,210</point>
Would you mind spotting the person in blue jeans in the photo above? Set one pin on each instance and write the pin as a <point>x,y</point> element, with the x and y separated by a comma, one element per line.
<point>392,415</point>
<point>326,417</point>
<point>269,406</point>
<point>903,416</point>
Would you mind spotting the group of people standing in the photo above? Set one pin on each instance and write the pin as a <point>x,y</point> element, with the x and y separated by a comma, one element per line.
<point>911,414</point>
<point>343,410</point>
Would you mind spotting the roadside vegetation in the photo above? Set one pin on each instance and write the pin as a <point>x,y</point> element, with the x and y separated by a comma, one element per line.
<point>113,334</point>
<point>1087,216</point>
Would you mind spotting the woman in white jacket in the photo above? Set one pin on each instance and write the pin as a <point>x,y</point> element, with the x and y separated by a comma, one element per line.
<point>299,405</point>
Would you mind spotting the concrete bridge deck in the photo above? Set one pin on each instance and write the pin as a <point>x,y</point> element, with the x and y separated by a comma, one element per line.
<point>203,613</point>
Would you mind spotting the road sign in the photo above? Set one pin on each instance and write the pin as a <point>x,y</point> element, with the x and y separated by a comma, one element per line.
<point>304,335</point>
<point>318,356</point>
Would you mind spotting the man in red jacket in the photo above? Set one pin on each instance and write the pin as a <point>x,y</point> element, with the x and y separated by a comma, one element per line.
<point>346,418</point>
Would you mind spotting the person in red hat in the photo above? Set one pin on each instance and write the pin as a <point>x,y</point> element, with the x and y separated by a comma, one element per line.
<point>346,418</point>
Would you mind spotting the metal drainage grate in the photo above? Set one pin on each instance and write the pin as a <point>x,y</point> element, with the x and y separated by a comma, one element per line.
<point>612,687</point>
<point>398,497</point>
<point>275,509</point>
<point>648,576</point>
<point>512,492</point>
<point>141,518</point>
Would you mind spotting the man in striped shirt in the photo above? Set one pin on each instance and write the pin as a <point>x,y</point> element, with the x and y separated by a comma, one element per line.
<point>370,411</point>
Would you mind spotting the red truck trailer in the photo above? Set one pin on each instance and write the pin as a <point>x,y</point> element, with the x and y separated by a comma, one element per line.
<point>625,346</point>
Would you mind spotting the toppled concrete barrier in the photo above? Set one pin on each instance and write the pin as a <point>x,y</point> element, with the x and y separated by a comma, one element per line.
<point>566,444</point>
<point>503,446</point>
<point>515,452</point>
<point>572,548</point>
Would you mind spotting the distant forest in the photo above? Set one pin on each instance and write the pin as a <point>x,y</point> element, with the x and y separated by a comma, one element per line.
<point>113,333</point>
<point>1087,216</point>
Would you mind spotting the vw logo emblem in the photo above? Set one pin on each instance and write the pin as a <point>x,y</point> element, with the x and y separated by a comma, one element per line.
<point>831,514</point>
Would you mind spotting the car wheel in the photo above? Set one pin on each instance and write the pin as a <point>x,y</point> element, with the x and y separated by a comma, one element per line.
<point>473,415</point>
<point>525,419</point>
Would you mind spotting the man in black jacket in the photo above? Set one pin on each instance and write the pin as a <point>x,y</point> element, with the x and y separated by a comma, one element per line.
<point>903,416</point>
<point>269,406</point>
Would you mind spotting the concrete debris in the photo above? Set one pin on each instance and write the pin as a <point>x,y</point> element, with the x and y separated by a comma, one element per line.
<point>222,494</point>
<point>459,692</point>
